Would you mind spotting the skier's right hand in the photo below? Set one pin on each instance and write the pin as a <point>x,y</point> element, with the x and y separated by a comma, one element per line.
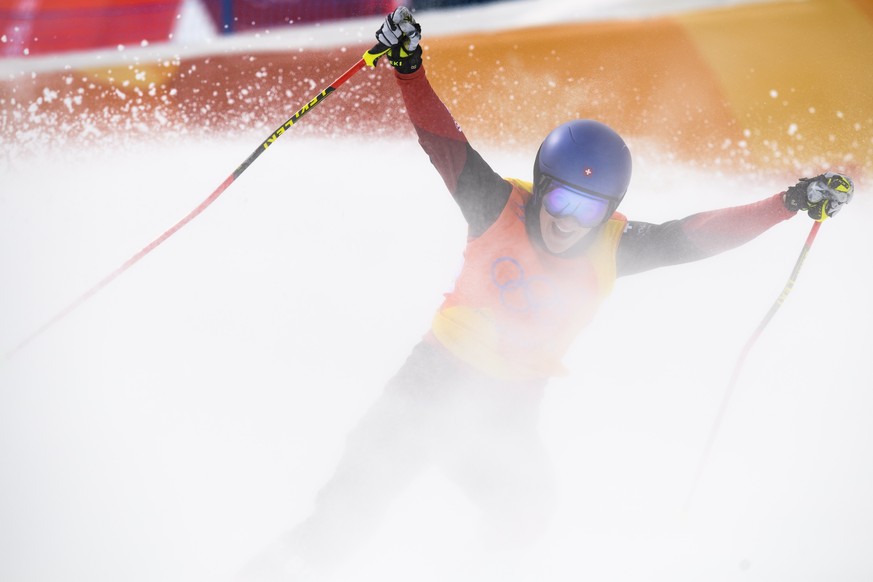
<point>402,33</point>
<point>821,197</point>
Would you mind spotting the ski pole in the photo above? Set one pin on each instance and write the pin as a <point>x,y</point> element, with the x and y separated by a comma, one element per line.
<point>719,418</point>
<point>368,59</point>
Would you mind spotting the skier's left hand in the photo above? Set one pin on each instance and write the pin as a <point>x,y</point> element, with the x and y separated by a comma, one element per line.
<point>821,197</point>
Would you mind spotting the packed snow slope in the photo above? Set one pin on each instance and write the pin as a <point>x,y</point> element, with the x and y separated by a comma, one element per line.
<point>180,419</point>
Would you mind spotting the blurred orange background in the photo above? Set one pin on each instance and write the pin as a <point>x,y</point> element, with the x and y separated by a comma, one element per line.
<point>784,87</point>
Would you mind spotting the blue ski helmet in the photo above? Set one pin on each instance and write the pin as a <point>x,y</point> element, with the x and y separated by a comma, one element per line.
<point>586,155</point>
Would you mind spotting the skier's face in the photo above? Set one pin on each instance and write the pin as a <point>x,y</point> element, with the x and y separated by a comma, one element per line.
<point>559,234</point>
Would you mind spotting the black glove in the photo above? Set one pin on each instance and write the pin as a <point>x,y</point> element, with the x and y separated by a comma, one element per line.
<point>402,33</point>
<point>821,197</point>
<point>405,62</point>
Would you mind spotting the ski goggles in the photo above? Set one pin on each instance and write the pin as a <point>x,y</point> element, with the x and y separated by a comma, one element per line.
<point>561,201</point>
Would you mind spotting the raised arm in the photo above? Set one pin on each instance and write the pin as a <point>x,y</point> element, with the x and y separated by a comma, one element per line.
<point>479,191</point>
<point>645,246</point>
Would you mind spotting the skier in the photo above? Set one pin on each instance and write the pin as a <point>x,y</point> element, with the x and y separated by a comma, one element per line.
<point>539,259</point>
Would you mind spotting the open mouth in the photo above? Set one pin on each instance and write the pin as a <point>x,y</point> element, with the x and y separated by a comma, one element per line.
<point>562,231</point>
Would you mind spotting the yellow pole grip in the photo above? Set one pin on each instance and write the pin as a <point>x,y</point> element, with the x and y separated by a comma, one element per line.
<point>371,56</point>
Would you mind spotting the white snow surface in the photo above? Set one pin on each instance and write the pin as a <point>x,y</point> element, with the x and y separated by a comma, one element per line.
<point>182,418</point>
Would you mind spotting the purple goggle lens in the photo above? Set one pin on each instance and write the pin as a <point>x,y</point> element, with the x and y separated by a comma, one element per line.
<point>588,210</point>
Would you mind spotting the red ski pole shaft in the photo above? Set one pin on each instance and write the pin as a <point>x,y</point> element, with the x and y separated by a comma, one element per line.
<point>726,398</point>
<point>369,59</point>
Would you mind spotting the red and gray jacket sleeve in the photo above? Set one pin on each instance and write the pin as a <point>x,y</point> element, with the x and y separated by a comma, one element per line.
<point>482,194</point>
<point>479,191</point>
<point>645,246</point>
